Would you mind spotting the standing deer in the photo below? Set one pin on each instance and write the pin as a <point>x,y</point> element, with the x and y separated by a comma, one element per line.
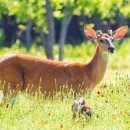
<point>33,73</point>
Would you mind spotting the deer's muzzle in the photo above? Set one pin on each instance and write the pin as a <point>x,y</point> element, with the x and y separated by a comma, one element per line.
<point>111,49</point>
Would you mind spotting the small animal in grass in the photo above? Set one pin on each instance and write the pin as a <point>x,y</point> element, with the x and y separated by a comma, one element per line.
<point>81,108</point>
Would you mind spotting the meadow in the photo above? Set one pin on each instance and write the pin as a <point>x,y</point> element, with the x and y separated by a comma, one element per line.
<point>110,100</point>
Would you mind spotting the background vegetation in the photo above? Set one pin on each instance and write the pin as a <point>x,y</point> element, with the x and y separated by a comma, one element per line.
<point>48,22</point>
<point>110,100</point>
<point>41,28</point>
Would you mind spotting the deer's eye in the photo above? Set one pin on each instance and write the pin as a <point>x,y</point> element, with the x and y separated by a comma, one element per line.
<point>112,39</point>
<point>102,41</point>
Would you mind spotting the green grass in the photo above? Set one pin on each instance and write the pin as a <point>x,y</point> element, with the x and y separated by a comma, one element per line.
<point>111,104</point>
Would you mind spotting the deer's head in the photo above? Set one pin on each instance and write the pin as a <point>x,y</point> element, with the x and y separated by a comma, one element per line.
<point>105,40</point>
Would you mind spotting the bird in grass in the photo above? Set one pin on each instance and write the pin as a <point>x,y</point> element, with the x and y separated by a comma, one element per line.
<point>81,108</point>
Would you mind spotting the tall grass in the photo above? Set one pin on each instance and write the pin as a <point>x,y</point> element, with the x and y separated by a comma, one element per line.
<point>110,100</point>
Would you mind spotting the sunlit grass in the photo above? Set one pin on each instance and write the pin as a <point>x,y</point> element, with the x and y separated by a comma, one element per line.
<point>110,100</point>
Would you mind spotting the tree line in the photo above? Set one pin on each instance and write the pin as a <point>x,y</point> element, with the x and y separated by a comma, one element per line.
<point>47,22</point>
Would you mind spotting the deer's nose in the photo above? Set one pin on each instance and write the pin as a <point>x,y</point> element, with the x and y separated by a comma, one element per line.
<point>111,49</point>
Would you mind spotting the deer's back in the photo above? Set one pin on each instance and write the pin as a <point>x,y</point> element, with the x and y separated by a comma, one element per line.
<point>37,72</point>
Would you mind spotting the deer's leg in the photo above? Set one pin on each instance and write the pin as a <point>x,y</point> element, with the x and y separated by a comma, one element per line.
<point>13,81</point>
<point>10,92</point>
<point>14,87</point>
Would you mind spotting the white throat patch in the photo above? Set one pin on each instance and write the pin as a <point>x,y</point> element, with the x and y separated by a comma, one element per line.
<point>105,55</point>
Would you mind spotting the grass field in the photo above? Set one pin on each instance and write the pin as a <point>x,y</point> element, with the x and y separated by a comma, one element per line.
<point>110,100</point>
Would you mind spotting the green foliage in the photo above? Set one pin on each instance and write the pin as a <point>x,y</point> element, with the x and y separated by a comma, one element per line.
<point>35,11</point>
<point>1,38</point>
<point>121,56</point>
<point>105,7</point>
<point>125,10</point>
<point>31,10</point>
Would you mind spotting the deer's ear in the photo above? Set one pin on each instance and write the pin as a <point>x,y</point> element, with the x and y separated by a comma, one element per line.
<point>120,32</point>
<point>90,33</point>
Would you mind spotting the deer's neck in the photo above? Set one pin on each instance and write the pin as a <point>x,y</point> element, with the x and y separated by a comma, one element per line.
<point>96,68</point>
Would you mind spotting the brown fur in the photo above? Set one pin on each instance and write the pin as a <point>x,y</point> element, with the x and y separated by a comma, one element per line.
<point>24,71</point>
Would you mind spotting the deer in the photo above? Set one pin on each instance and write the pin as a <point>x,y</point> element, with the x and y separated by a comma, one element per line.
<point>24,72</point>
